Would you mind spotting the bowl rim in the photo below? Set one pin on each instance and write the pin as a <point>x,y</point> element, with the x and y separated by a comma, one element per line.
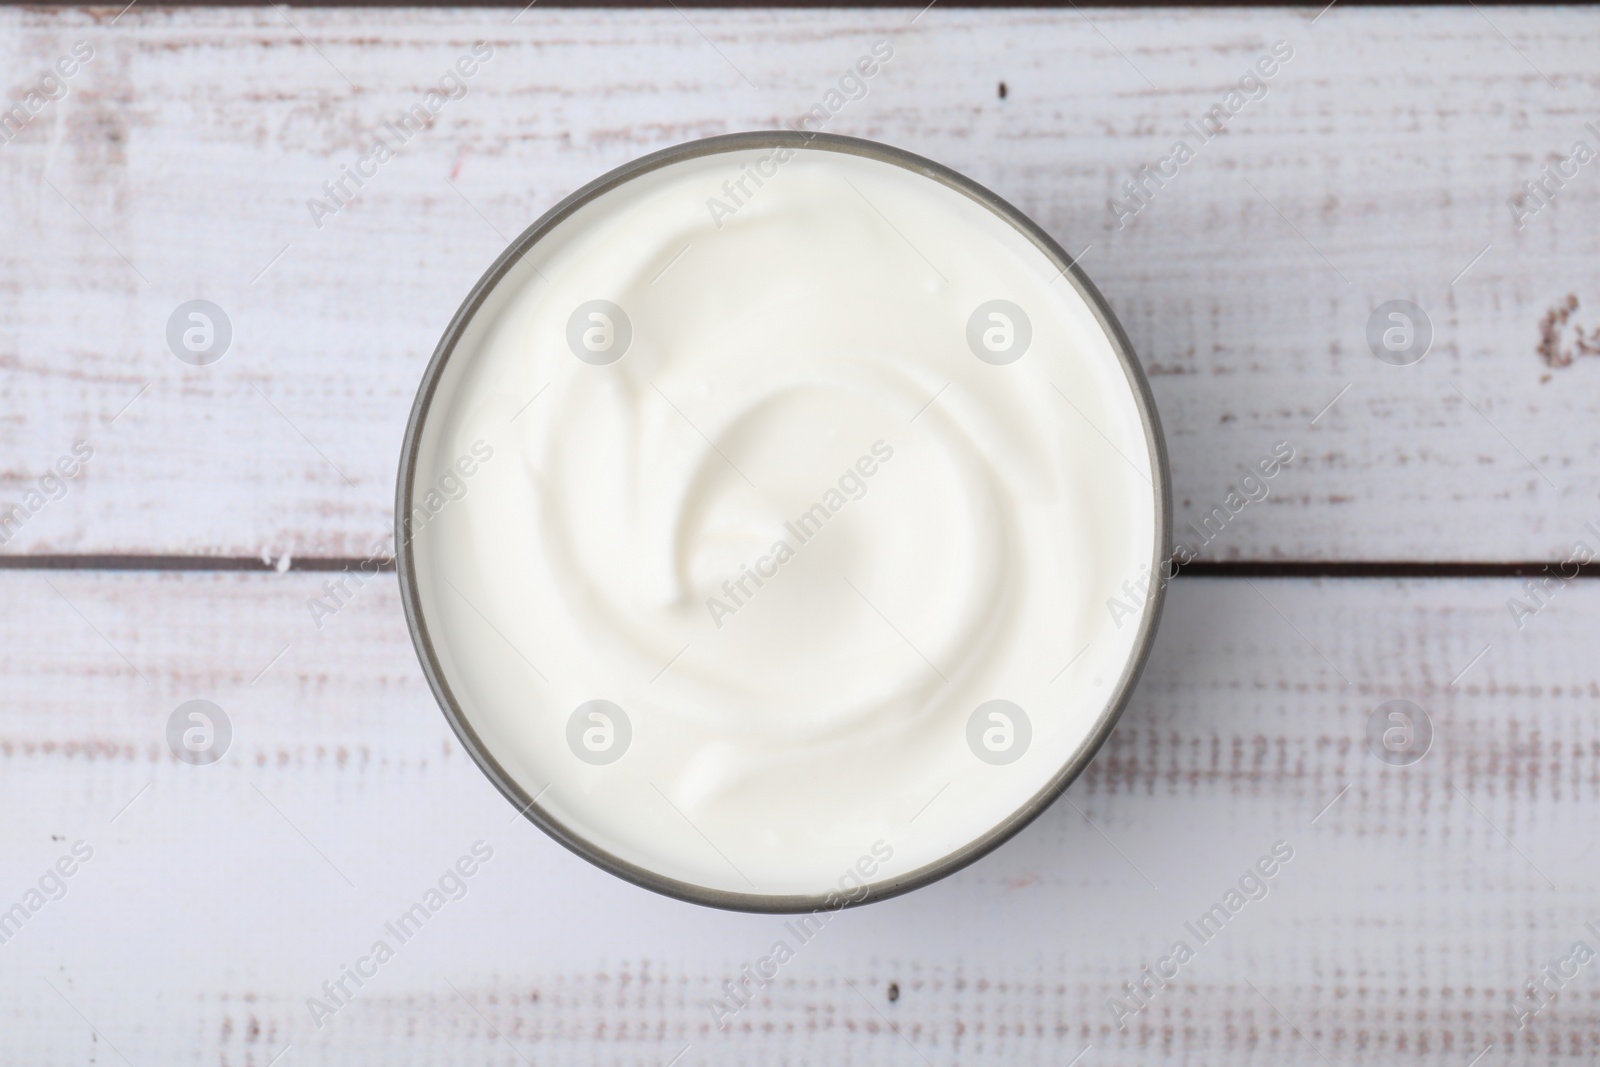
<point>1004,829</point>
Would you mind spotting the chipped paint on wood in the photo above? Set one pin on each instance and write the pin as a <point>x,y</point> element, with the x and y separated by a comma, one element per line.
<point>1378,166</point>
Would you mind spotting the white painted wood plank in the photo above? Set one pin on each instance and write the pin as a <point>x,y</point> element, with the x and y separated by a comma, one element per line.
<point>216,903</point>
<point>180,162</point>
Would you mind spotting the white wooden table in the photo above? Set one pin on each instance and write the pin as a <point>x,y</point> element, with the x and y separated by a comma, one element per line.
<point>1420,898</point>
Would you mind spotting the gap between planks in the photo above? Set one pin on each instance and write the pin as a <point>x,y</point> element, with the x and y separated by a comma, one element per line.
<point>1197,569</point>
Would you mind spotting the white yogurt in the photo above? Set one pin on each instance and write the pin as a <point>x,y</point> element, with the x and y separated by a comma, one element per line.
<point>798,533</point>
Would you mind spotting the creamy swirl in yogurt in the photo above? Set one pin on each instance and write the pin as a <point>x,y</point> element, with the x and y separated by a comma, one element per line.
<point>800,526</point>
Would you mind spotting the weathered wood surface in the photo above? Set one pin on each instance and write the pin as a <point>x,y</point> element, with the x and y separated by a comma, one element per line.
<point>1378,166</point>
<point>1414,906</point>
<point>220,898</point>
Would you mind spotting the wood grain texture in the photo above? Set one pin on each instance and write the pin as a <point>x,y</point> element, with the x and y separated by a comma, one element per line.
<point>1419,899</point>
<point>1377,167</point>
<point>217,902</point>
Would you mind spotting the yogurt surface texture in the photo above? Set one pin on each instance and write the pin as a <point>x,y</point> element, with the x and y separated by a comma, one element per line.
<point>771,519</point>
